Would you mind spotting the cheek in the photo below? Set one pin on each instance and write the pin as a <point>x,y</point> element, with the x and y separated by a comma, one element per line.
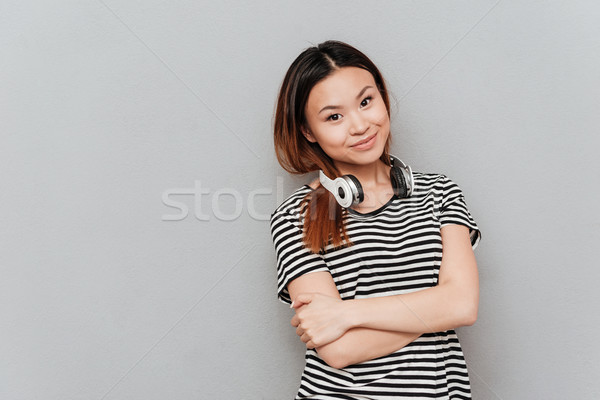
<point>333,136</point>
<point>381,116</point>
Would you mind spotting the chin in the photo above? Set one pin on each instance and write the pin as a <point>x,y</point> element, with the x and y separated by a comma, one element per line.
<point>367,157</point>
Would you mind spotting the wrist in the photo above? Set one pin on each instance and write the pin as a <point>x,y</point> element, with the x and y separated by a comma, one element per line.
<point>351,314</point>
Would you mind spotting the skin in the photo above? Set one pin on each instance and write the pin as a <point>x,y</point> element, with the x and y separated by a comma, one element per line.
<point>346,332</point>
<point>354,119</point>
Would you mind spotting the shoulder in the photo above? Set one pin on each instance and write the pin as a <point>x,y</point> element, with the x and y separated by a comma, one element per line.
<point>292,204</point>
<point>425,181</point>
<point>286,219</point>
<point>438,185</point>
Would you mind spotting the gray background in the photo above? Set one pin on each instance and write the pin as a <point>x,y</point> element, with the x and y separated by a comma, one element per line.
<point>111,110</point>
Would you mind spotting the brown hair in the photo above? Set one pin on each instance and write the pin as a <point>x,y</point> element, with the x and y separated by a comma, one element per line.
<point>322,215</point>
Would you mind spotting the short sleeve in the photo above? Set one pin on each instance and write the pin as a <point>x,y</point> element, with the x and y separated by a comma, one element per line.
<point>453,210</point>
<point>293,258</point>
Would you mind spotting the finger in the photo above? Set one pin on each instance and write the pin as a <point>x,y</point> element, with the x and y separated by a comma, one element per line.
<point>310,345</point>
<point>295,321</point>
<point>299,331</point>
<point>305,338</point>
<point>301,299</point>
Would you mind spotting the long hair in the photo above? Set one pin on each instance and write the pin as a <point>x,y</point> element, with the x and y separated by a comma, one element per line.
<point>322,216</point>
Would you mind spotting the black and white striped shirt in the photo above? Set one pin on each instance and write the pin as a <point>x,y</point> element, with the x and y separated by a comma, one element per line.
<point>397,249</point>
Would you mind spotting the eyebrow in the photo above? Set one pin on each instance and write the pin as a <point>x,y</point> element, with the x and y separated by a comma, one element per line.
<point>357,97</point>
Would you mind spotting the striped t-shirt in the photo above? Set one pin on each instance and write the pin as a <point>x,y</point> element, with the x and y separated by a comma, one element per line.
<point>397,249</point>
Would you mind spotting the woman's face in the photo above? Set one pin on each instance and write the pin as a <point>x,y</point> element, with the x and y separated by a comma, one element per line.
<point>347,117</point>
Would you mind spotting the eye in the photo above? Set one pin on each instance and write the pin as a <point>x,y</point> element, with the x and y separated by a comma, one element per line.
<point>369,98</point>
<point>330,118</point>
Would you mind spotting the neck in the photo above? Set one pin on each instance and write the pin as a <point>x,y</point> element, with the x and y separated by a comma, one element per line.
<point>369,175</point>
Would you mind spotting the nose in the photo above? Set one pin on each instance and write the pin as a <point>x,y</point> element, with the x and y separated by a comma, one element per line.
<point>358,123</point>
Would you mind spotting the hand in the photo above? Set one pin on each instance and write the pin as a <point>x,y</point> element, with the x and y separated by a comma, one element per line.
<point>319,319</point>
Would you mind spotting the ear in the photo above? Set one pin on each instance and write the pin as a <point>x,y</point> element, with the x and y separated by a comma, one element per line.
<point>308,135</point>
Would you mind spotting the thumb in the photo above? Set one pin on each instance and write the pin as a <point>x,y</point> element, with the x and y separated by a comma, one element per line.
<point>301,299</point>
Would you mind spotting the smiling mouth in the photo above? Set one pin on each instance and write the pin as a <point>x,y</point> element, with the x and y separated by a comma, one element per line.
<point>365,140</point>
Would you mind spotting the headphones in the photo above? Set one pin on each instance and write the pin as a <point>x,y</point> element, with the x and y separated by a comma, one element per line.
<point>348,191</point>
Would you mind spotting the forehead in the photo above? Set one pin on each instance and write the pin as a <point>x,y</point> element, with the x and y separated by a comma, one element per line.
<point>340,87</point>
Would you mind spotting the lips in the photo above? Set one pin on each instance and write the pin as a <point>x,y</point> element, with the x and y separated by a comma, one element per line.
<point>364,140</point>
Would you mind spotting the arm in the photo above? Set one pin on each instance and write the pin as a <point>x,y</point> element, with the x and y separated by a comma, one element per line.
<point>450,304</point>
<point>356,344</point>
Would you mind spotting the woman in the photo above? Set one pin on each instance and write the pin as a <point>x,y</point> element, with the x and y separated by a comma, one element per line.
<point>377,285</point>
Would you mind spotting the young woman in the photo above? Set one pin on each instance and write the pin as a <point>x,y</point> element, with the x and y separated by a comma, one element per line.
<point>377,285</point>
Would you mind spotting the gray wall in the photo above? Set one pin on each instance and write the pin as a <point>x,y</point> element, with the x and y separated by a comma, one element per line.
<point>111,111</point>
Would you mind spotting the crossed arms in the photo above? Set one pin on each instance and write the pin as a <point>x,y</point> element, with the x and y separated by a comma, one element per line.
<point>345,332</point>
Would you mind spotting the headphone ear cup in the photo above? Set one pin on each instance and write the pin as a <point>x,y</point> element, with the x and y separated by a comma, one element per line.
<point>346,189</point>
<point>398,182</point>
<point>359,195</point>
<point>342,192</point>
